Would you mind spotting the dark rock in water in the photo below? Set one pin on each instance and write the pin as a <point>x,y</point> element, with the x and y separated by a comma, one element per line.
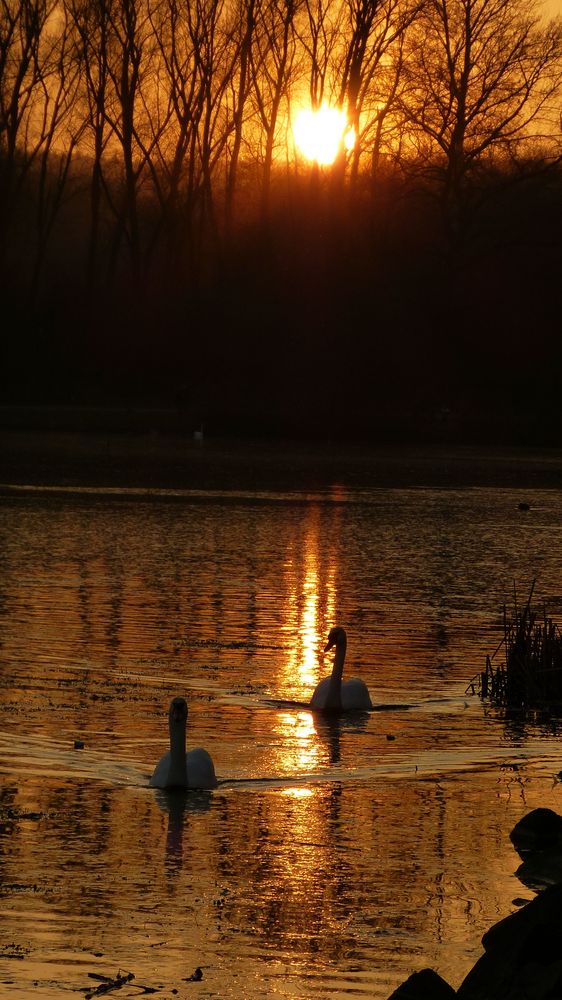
<point>538,840</point>
<point>523,954</point>
<point>540,869</point>
<point>539,829</point>
<point>424,985</point>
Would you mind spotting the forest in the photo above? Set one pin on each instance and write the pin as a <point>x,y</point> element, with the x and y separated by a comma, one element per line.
<point>163,240</point>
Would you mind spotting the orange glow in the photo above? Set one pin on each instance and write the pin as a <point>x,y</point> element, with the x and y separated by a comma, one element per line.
<point>299,750</point>
<point>310,604</point>
<point>309,625</point>
<point>320,134</point>
<point>298,792</point>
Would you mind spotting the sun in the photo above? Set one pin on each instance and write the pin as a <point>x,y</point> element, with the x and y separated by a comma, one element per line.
<point>319,135</point>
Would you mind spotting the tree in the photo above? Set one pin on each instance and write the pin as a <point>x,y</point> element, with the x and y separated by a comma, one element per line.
<point>60,131</point>
<point>369,76</point>
<point>321,39</point>
<point>199,62</point>
<point>39,127</point>
<point>272,60</point>
<point>24,68</point>
<point>240,89</point>
<point>127,43</point>
<point>482,77</point>
<point>91,23</point>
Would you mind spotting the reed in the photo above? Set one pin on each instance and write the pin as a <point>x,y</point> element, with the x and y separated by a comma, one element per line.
<point>530,675</point>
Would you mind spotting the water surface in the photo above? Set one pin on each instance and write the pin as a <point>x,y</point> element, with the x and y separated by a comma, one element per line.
<point>334,858</point>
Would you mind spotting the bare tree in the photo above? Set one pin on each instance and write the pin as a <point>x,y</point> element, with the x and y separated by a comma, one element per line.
<point>353,50</point>
<point>199,55</point>
<point>320,38</point>
<point>217,47</point>
<point>39,127</point>
<point>127,40</point>
<point>369,72</point>
<point>273,56</point>
<point>240,89</point>
<point>91,22</point>
<point>114,46</point>
<point>482,77</point>
<point>22,74</point>
<point>61,128</point>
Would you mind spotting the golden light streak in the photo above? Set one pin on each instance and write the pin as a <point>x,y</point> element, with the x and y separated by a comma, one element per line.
<point>298,793</point>
<point>310,605</point>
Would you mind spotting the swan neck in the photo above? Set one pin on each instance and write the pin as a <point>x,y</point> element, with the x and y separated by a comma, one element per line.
<point>333,699</point>
<point>339,660</point>
<point>178,768</point>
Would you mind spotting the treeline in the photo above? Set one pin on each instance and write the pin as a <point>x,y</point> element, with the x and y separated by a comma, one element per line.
<point>158,227</point>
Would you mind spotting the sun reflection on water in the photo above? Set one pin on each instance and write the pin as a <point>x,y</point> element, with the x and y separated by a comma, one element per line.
<point>355,855</point>
<point>311,604</point>
<point>299,750</point>
<point>297,792</point>
<point>309,624</point>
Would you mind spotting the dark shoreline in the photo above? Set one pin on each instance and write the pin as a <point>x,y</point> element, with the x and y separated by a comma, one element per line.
<point>155,448</point>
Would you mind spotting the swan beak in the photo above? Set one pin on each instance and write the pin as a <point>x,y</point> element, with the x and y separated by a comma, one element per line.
<point>329,644</point>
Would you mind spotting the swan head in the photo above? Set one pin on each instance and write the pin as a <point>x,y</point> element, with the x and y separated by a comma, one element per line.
<point>337,637</point>
<point>177,715</point>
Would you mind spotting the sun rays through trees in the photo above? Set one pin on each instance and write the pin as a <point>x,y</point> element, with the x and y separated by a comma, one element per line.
<point>189,106</point>
<point>146,145</point>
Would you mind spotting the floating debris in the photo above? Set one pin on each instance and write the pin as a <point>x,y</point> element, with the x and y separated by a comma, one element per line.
<point>196,976</point>
<point>107,983</point>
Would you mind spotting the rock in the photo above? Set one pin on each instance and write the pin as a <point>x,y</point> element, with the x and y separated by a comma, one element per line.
<point>541,869</point>
<point>424,985</point>
<point>537,838</point>
<point>539,829</point>
<point>523,954</point>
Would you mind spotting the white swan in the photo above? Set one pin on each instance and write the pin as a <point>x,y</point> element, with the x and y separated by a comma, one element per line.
<point>334,695</point>
<point>178,769</point>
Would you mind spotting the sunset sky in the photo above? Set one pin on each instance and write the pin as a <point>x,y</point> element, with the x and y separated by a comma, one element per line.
<point>220,268</point>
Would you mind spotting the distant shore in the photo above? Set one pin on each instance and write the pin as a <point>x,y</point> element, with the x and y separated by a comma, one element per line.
<point>161,448</point>
<point>368,426</point>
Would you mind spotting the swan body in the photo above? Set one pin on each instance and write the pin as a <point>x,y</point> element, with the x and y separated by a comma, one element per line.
<point>334,695</point>
<point>178,769</point>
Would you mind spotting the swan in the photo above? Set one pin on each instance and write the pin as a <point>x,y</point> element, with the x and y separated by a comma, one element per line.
<point>178,769</point>
<point>334,695</point>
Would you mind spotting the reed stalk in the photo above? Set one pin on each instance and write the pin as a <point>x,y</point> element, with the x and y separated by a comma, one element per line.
<point>530,675</point>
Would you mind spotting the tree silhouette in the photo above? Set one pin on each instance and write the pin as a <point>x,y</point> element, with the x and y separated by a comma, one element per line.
<point>157,114</point>
<point>368,78</point>
<point>482,78</point>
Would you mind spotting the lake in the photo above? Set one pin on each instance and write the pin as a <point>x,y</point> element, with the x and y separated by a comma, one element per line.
<point>335,857</point>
